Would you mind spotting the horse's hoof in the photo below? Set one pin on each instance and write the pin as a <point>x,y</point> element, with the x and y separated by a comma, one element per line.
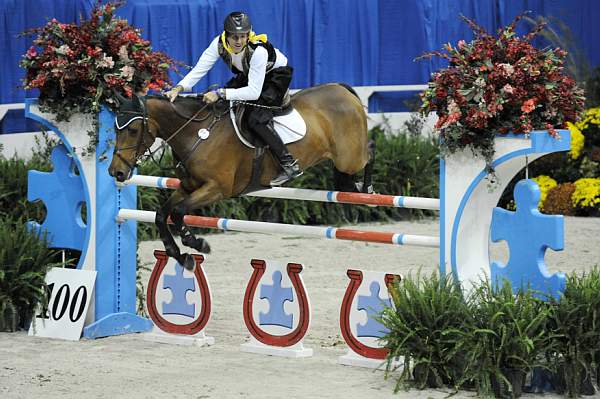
<point>188,262</point>
<point>204,248</point>
<point>189,241</point>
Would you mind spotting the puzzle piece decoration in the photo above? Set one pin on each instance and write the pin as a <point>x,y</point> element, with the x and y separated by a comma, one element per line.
<point>179,287</point>
<point>373,305</point>
<point>276,295</point>
<point>62,193</point>
<point>528,234</point>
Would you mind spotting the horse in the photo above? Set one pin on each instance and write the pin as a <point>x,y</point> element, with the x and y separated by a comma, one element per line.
<point>219,166</point>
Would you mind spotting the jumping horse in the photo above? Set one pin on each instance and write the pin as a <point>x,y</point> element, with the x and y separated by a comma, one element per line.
<point>219,166</point>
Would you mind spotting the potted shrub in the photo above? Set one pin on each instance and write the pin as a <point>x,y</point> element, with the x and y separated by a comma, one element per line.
<point>499,84</point>
<point>508,335</point>
<point>24,260</point>
<point>426,326</point>
<point>575,327</point>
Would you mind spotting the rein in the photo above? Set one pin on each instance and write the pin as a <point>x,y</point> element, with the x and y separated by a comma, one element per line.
<point>145,131</point>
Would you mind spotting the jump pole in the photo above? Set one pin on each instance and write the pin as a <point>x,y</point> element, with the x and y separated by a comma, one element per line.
<point>301,194</point>
<point>280,228</point>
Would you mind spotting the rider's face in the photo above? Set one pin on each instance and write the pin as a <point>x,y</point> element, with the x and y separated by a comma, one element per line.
<point>237,41</point>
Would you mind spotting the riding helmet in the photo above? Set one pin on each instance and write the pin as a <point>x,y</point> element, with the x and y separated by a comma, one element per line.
<point>237,22</point>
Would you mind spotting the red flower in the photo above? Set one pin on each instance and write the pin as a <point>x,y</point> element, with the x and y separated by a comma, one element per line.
<point>528,106</point>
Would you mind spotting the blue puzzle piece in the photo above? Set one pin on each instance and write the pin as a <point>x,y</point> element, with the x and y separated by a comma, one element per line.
<point>179,287</point>
<point>528,234</point>
<point>373,305</point>
<point>276,295</point>
<point>62,193</point>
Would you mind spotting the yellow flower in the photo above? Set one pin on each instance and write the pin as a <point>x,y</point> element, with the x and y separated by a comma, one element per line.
<point>545,183</point>
<point>587,193</point>
<point>577,141</point>
<point>592,116</point>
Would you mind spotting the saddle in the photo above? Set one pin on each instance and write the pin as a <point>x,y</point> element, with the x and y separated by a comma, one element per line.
<point>288,123</point>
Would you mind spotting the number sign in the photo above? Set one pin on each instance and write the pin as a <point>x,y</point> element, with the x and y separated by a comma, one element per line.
<point>69,293</point>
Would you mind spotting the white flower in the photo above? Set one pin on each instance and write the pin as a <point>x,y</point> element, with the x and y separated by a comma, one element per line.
<point>62,49</point>
<point>123,54</point>
<point>127,72</point>
<point>480,82</point>
<point>106,62</point>
<point>509,69</point>
<point>453,107</point>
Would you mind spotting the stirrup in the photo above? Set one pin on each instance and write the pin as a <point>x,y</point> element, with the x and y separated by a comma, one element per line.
<point>289,172</point>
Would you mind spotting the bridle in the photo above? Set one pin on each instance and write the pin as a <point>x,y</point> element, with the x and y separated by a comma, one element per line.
<point>143,115</point>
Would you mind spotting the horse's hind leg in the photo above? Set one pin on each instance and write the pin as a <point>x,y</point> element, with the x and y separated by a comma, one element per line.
<point>367,183</point>
<point>343,181</point>
<point>165,235</point>
<point>346,182</point>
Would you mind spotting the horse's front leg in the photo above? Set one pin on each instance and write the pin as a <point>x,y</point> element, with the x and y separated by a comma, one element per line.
<point>165,235</point>
<point>207,194</point>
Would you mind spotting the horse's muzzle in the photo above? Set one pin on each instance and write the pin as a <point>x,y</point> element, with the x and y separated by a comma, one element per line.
<point>119,175</point>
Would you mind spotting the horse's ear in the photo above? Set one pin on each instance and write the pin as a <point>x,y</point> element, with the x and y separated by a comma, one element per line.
<point>122,100</point>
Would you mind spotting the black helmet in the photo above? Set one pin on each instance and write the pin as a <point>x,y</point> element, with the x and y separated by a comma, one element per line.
<point>237,22</point>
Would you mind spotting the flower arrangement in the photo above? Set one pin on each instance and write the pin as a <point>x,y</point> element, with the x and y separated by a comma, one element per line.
<point>79,67</point>
<point>499,84</point>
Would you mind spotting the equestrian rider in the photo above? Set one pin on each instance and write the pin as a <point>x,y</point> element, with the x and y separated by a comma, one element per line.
<point>262,76</point>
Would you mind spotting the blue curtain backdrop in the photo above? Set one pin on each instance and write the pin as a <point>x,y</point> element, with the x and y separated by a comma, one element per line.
<point>360,42</point>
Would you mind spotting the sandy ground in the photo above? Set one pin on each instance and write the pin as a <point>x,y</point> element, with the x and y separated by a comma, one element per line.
<point>129,366</point>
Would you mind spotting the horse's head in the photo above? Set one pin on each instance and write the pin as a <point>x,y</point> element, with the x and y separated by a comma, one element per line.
<point>136,132</point>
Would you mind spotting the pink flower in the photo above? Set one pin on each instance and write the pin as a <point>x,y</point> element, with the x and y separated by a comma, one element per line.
<point>461,44</point>
<point>32,52</point>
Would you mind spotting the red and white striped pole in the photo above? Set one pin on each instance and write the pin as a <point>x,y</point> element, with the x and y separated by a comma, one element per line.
<point>279,228</point>
<point>398,201</point>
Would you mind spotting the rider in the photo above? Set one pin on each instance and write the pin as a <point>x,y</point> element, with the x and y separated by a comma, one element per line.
<point>262,76</point>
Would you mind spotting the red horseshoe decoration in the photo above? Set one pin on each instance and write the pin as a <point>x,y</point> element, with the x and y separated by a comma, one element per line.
<point>293,271</point>
<point>356,278</point>
<point>186,329</point>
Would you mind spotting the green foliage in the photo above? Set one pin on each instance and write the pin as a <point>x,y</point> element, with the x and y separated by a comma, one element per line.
<point>24,260</point>
<point>575,326</point>
<point>509,333</point>
<point>405,164</point>
<point>427,327</point>
<point>13,187</point>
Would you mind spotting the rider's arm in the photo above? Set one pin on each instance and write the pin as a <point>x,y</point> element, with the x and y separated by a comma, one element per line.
<point>204,64</point>
<point>256,78</point>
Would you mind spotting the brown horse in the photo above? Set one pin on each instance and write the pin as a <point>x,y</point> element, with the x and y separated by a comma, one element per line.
<point>220,166</point>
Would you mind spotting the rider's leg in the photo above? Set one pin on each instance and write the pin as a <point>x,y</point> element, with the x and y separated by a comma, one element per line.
<point>261,123</point>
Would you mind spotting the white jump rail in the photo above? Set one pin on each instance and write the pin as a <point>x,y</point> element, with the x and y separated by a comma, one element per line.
<point>248,226</point>
<point>398,201</point>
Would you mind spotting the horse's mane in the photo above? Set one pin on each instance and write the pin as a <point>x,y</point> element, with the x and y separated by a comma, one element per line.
<point>187,105</point>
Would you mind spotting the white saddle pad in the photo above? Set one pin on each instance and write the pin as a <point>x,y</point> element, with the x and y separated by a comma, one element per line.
<point>290,127</point>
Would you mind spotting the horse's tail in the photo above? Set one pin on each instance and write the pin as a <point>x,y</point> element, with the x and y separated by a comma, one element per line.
<point>350,89</point>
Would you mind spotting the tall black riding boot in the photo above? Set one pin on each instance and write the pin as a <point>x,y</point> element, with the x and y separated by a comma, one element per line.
<point>289,165</point>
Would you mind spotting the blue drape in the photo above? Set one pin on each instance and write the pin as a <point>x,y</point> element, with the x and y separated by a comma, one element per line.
<point>360,42</point>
